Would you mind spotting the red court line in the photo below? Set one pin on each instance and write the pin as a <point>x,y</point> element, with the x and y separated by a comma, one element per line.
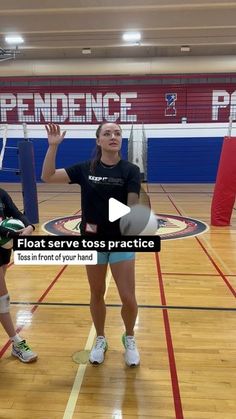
<point>170,349</point>
<point>230,287</point>
<point>178,192</point>
<point>189,274</point>
<point>34,308</point>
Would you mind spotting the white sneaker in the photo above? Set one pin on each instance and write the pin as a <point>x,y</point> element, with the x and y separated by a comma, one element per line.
<point>132,357</point>
<point>22,351</point>
<point>97,354</point>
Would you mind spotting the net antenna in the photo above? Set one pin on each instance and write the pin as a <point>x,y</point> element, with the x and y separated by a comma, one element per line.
<point>230,126</point>
<point>131,145</point>
<point>25,131</point>
<point>4,142</point>
<point>144,152</point>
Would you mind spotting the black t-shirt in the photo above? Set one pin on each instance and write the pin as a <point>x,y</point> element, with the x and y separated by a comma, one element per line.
<point>9,209</point>
<point>96,189</point>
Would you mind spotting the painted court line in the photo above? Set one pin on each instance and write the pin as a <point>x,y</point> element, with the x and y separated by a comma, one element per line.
<point>228,284</point>
<point>155,306</point>
<point>34,308</point>
<point>170,348</point>
<point>217,256</point>
<point>74,394</point>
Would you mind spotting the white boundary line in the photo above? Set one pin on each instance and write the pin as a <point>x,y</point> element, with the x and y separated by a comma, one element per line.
<point>74,394</point>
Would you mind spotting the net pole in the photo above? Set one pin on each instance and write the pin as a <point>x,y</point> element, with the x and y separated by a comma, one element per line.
<point>28,178</point>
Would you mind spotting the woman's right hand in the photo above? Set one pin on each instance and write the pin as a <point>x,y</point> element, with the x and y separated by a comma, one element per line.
<point>55,136</point>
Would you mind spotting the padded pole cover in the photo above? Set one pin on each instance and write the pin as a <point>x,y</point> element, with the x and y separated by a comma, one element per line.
<point>225,186</point>
<point>28,180</point>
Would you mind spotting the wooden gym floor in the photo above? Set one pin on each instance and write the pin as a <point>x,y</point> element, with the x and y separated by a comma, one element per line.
<point>185,328</point>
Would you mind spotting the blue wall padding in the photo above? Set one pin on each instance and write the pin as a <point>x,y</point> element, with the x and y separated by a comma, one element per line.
<point>183,160</point>
<point>70,152</point>
<point>170,160</point>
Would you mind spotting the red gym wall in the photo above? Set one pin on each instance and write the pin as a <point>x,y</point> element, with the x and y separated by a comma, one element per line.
<point>148,100</point>
<point>204,99</point>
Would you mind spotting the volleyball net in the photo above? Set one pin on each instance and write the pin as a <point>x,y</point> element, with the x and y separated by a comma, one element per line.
<point>26,170</point>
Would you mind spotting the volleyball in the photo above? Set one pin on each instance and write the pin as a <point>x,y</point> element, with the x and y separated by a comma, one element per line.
<point>13,225</point>
<point>140,221</point>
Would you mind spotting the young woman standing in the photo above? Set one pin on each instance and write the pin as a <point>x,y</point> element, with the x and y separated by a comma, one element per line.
<point>106,176</point>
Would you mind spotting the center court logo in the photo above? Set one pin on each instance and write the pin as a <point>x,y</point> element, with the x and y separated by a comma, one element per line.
<point>171,227</point>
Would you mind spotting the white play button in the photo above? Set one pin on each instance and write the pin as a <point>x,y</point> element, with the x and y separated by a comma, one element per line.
<point>117,210</point>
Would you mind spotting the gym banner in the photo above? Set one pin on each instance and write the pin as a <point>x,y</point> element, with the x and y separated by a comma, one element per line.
<point>149,104</point>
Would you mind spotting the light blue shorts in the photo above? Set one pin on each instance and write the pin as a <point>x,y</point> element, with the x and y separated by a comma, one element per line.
<point>114,257</point>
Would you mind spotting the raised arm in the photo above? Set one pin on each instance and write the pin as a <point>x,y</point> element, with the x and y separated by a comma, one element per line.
<point>49,172</point>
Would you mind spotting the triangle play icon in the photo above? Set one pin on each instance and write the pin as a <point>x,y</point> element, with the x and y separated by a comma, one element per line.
<point>116,210</point>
